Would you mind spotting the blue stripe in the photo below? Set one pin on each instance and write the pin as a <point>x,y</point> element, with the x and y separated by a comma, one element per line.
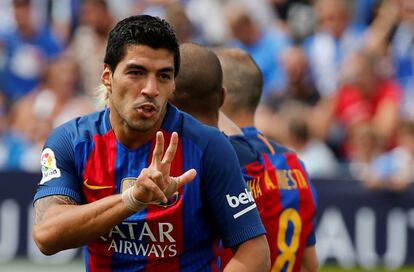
<point>128,164</point>
<point>198,247</point>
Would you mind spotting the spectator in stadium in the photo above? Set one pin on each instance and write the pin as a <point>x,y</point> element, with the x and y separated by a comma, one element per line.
<point>53,102</point>
<point>367,97</point>
<point>402,47</point>
<point>319,159</point>
<point>334,39</point>
<point>109,184</point>
<point>392,170</point>
<point>24,51</point>
<point>12,146</point>
<point>89,41</point>
<point>243,82</point>
<point>265,45</point>
<point>299,88</point>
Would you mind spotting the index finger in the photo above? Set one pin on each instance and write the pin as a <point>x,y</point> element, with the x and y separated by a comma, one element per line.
<point>158,150</point>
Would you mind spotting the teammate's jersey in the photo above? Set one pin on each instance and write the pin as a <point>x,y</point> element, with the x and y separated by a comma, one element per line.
<point>285,198</point>
<point>83,160</point>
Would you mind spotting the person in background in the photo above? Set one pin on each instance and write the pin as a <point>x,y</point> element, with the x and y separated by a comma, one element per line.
<point>285,196</point>
<point>138,183</point>
<point>367,98</point>
<point>392,170</point>
<point>265,44</point>
<point>13,147</point>
<point>24,53</point>
<point>334,39</point>
<point>89,40</point>
<point>54,101</point>
<point>199,82</point>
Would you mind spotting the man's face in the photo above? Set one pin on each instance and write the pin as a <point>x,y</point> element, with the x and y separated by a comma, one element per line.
<point>140,86</point>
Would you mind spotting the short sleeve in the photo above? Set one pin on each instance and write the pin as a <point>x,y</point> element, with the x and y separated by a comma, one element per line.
<point>58,167</point>
<point>231,204</point>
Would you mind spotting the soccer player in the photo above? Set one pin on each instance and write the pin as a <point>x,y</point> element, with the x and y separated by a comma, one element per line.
<point>284,194</point>
<point>142,185</point>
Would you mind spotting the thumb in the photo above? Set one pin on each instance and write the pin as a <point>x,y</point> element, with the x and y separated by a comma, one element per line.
<point>186,177</point>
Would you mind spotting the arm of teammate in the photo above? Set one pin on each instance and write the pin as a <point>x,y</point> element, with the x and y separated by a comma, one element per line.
<point>252,255</point>
<point>61,224</point>
<point>232,209</point>
<point>310,261</point>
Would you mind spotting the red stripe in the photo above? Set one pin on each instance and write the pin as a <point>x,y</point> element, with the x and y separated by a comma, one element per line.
<point>172,214</point>
<point>216,250</point>
<point>99,171</point>
<point>306,208</point>
<point>270,208</point>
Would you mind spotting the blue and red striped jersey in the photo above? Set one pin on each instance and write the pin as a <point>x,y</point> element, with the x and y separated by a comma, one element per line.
<point>82,159</point>
<point>286,200</point>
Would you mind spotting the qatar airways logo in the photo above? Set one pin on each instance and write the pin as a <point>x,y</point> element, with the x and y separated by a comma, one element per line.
<point>129,238</point>
<point>242,199</point>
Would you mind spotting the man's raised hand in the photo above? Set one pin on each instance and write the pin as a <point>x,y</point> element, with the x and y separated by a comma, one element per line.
<point>154,184</point>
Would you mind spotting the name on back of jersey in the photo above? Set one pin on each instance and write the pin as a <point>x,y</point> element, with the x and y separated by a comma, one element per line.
<point>281,179</point>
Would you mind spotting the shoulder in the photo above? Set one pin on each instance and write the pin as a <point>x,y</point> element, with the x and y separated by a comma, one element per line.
<point>245,151</point>
<point>82,128</point>
<point>198,133</point>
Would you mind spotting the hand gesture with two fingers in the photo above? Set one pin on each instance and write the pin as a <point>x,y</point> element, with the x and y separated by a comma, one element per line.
<point>154,184</point>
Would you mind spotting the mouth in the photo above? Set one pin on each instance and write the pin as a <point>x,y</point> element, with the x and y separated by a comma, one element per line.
<point>146,110</point>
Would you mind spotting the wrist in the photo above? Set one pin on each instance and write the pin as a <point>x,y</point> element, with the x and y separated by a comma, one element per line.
<point>131,202</point>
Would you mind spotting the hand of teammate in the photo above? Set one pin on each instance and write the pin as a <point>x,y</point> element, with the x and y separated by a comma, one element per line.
<point>154,184</point>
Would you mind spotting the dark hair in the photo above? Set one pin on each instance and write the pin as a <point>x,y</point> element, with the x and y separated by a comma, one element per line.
<point>198,86</point>
<point>141,30</point>
<point>242,78</point>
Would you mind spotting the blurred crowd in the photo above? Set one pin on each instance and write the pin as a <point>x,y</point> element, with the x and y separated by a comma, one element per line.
<point>338,74</point>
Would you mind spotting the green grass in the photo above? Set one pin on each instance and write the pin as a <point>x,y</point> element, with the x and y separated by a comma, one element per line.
<point>332,268</point>
<point>23,265</point>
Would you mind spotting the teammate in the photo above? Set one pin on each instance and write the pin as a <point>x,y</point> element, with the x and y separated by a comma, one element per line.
<point>284,195</point>
<point>276,177</point>
<point>110,184</point>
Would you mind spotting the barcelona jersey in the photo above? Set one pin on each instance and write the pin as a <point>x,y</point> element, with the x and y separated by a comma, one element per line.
<point>285,198</point>
<point>83,160</point>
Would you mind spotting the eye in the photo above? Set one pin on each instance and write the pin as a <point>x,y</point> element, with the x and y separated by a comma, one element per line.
<point>165,76</point>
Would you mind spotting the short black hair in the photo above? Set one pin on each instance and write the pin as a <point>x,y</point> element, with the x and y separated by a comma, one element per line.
<point>198,86</point>
<point>141,30</point>
<point>242,78</point>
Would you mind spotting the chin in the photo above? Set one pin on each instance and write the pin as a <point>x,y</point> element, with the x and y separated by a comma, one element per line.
<point>142,125</point>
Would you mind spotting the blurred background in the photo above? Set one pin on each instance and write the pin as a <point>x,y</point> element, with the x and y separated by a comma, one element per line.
<point>339,90</point>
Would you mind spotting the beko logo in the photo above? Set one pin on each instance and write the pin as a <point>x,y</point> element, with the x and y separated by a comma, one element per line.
<point>243,198</point>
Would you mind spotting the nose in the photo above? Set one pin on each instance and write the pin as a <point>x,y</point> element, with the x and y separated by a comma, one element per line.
<point>151,87</point>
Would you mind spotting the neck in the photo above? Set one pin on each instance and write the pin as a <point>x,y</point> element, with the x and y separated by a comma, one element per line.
<point>242,119</point>
<point>26,32</point>
<point>210,121</point>
<point>129,137</point>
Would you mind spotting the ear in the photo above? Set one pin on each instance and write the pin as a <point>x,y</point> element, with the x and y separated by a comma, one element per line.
<point>223,95</point>
<point>106,77</point>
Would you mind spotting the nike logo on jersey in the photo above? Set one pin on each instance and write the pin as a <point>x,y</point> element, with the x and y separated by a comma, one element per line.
<point>96,187</point>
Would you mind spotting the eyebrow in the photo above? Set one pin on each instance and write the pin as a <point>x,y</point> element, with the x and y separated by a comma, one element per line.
<point>140,67</point>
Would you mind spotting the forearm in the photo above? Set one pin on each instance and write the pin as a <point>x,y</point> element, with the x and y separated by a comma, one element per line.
<point>310,261</point>
<point>252,255</point>
<point>63,226</point>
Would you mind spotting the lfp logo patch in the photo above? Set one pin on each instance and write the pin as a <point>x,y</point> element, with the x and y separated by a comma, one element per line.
<point>49,168</point>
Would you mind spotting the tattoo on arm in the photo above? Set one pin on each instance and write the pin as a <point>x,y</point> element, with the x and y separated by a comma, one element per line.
<point>41,205</point>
